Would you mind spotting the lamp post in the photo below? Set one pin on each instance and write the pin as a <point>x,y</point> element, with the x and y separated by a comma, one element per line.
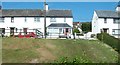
<point>45,18</point>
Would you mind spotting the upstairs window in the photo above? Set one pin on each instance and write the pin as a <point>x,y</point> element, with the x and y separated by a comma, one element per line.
<point>12,19</point>
<point>37,19</point>
<point>105,20</point>
<point>2,19</point>
<point>25,19</point>
<point>64,19</point>
<point>52,19</point>
<point>116,21</point>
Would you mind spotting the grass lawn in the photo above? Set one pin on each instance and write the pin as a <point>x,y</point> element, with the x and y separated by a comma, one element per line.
<point>16,50</point>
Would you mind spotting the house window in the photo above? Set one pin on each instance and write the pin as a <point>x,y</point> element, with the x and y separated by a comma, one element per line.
<point>25,19</point>
<point>2,30</point>
<point>53,30</point>
<point>116,21</point>
<point>60,30</point>
<point>105,20</point>
<point>64,19</point>
<point>52,19</point>
<point>37,19</point>
<point>116,31</point>
<point>16,29</point>
<point>25,31</point>
<point>2,19</point>
<point>12,19</point>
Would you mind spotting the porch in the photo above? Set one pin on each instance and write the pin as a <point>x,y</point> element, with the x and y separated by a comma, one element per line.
<point>59,30</point>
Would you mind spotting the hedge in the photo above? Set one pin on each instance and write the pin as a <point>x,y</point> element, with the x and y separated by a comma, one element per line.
<point>110,40</point>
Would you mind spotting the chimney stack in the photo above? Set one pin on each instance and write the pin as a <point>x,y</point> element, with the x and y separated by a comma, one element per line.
<point>118,6</point>
<point>46,7</point>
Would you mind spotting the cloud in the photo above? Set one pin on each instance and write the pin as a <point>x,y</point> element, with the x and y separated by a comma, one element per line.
<point>60,0</point>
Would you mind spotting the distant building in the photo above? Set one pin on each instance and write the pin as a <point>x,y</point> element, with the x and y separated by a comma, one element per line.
<point>107,21</point>
<point>76,24</point>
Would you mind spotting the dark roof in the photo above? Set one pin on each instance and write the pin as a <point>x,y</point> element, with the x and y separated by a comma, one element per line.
<point>59,25</point>
<point>59,13</point>
<point>75,23</point>
<point>0,13</point>
<point>118,4</point>
<point>107,14</point>
<point>36,12</point>
<point>20,12</point>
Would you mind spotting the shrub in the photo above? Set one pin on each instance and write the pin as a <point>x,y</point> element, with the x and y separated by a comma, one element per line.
<point>110,40</point>
<point>66,60</point>
<point>92,35</point>
<point>76,30</point>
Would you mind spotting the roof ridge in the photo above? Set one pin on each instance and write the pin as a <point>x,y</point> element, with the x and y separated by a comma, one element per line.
<point>21,9</point>
<point>59,9</point>
<point>104,10</point>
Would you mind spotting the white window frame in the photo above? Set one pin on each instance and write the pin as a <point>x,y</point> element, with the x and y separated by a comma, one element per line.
<point>2,19</point>
<point>105,20</point>
<point>115,31</point>
<point>12,19</point>
<point>25,19</point>
<point>37,19</point>
<point>65,19</point>
<point>53,19</point>
<point>116,21</point>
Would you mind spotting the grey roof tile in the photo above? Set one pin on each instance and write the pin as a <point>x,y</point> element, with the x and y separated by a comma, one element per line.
<point>59,13</point>
<point>59,25</point>
<point>107,14</point>
<point>20,12</point>
<point>36,12</point>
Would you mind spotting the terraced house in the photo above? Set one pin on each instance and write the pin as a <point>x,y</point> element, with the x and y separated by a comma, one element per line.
<point>107,21</point>
<point>30,22</point>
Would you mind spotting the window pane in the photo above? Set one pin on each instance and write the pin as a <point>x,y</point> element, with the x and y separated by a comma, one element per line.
<point>105,20</point>
<point>116,21</point>
<point>116,31</point>
<point>53,20</point>
<point>1,19</point>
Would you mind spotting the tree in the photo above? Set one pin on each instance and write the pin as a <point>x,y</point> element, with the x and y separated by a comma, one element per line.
<point>86,27</point>
<point>76,30</point>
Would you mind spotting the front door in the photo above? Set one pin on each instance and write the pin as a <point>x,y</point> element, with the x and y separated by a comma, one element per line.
<point>105,30</point>
<point>25,31</point>
<point>66,31</point>
<point>12,31</point>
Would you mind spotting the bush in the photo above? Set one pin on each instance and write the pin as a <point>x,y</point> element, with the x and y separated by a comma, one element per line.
<point>76,31</point>
<point>92,35</point>
<point>110,40</point>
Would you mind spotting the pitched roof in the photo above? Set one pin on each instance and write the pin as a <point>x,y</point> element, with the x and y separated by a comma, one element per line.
<point>107,14</point>
<point>59,25</point>
<point>20,12</point>
<point>36,12</point>
<point>0,13</point>
<point>118,4</point>
<point>59,13</point>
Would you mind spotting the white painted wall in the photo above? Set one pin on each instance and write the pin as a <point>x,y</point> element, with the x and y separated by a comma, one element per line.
<point>117,8</point>
<point>98,24</point>
<point>19,23</point>
<point>95,23</point>
<point>109,24</point>
<point>69,21</point>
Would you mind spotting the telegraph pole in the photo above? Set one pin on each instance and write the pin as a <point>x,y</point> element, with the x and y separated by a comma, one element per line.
<point>45,18</point>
